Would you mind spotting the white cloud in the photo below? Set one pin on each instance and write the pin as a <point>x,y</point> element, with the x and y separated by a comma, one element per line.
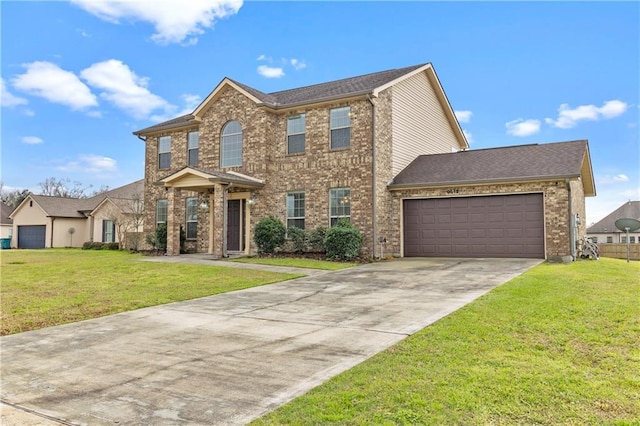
<point>32,140</point>
<point>298,64</point>
<point>123,88</point>
<point>90,163</point>
<point>190,101</point>
<point>54,84</point>
<point>611,179</point>
<point>468,135</point>
<point>263,57</point>
<point>174,21</point>
<point>270,72</point>
<point>568,118</point>
<point>522,127</point>
<point>8,99</point>
<point>463,116</point>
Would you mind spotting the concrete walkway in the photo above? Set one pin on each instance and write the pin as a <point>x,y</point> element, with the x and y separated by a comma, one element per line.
<point>229,358</point>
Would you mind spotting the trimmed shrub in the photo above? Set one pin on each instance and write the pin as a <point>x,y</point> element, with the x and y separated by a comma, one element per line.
<point>158,240</point>
<point>343,241</point>
<point>269,234</point>
<point>97,245</point>
<point>316,239</point>
<point>298,238</point>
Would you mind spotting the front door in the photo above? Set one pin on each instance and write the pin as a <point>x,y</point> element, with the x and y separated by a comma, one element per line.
<point>234,225</point>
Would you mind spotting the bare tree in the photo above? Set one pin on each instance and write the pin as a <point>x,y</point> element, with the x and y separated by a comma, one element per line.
<point>13,197</point>
<point>63,188</point>
<point>127,216</point>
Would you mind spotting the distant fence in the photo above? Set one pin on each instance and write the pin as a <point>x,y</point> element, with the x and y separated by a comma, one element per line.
<point>619,251</point>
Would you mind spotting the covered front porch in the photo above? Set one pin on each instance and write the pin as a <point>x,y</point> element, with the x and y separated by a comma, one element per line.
<point>226,200</point>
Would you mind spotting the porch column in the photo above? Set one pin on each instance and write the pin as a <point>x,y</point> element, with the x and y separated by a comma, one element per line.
<point>211,224</point>
<point>173,222</point>
<point>217,219</point>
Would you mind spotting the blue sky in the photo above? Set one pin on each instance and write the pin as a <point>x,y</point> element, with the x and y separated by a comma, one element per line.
<point>78,77</point>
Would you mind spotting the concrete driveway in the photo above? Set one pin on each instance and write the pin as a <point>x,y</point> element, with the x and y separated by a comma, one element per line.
<point>228,359</point>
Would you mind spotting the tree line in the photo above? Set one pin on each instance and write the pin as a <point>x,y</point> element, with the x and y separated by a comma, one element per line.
<point>54,187</point>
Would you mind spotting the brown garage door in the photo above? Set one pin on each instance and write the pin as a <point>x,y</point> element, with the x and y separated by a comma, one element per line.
<point>488,226</point>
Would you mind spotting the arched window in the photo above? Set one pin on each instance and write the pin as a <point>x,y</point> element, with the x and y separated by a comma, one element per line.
<point>231,145</point>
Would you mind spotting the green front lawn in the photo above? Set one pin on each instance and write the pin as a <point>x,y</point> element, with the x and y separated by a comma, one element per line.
<point>557,345</point>
<point>41,288</point>
<point>295,262</point>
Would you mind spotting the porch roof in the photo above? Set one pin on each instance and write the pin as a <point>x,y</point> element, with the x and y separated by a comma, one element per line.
<point>193,179</point>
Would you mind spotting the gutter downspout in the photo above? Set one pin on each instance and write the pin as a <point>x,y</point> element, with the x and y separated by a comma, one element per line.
<point>374,204</point>
<point>572,232</point>
<point>53,219</point>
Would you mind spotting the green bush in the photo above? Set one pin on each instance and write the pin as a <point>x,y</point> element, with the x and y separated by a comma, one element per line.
<point>298,238</point>
<point>343,241</point>
<point>269,234</point>
<point>158,240</point>
<point>97,245</point>
<point>316,239</point>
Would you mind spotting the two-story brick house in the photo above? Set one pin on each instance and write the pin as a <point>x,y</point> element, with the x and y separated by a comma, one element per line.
<point>312,155</point>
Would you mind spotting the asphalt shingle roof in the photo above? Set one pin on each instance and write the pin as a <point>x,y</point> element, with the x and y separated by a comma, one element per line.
<point>511,163</point>
<point>337,89</point>
<point>630,209</point>
<point>5,211</point>
<point>80,207</point>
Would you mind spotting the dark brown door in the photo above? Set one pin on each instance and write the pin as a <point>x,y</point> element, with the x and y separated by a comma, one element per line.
<point>233,225</point>
<point>487,226</point>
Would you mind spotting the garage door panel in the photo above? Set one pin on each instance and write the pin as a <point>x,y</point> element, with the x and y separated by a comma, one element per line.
<point>491,226</point>
<point>31,236</point>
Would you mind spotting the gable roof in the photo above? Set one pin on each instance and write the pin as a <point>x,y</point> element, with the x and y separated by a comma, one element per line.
<point>81,207</point>
<point>557,160</point>
<point>323,92</point>
<point>5,211</point>
<point>630,209</point>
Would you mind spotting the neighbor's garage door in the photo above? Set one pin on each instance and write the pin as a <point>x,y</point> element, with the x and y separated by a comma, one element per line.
<point>31,236</point>
<point>487,226</point>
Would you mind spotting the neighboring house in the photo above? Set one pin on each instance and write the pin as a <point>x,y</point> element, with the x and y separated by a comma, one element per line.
<point>42,221</point>
<point>6,224</point>
<point>605,231</point>
<point>383,150</point>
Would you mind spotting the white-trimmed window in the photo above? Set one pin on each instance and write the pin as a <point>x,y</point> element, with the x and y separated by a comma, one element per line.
<point>632,239</point>
<point>108,231</point>
<point>193,142</point>
<point>609,240</point>
<point>339,204</point>
<point>296,134</point>
<point>231,145</point>
<point>594,240</point>
<point>295,209</point>
<point>192,218</point>
<point>340,124</point>
<point>164,152</point>
<point>162,206</point>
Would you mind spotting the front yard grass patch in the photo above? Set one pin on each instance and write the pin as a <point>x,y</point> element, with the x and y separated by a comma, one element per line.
<point>295,262</point>
<point>41,288</point>
<point>558,345</point>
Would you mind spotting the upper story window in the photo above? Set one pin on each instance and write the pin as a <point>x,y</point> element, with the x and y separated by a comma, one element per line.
<point>340,124</point>
<point>162,206</point>
<point>164,152</point>
<point>295,134</point>
<point>231,145</point>
<point>295,209</point>
<point>193,141</point>
<point>339,204</point>
<point>609,240</point>
<point>192,218</point>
